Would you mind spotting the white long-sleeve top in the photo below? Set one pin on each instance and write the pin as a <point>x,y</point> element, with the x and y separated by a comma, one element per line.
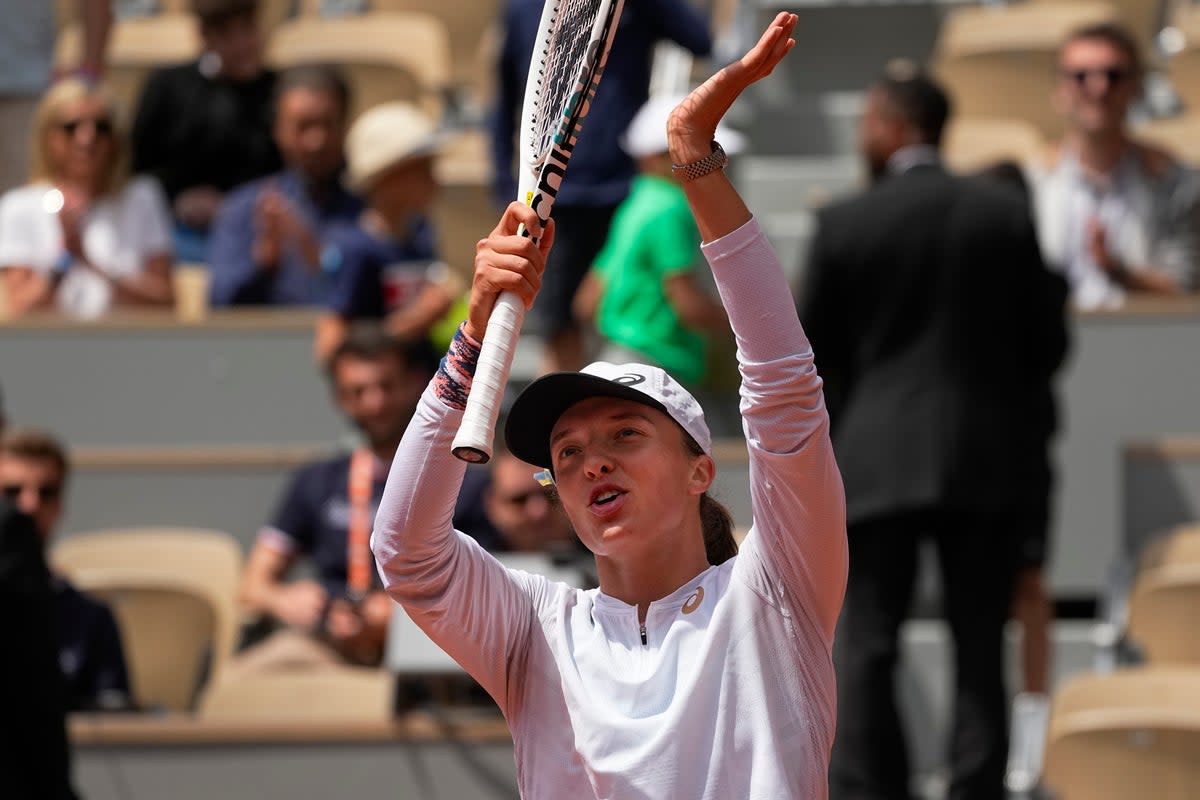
<point>732,695</point>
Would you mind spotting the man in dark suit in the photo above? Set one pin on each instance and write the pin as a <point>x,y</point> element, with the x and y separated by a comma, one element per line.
<point>937,329</point>
<point>34,760</point>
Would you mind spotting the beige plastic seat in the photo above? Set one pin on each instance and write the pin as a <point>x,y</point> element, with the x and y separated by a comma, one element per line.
<point>384,55</point>
<point>271,13</point>
<point>1163,613</point>
<point>973,144</point>
<point>464,210</point>
<point>1128,735</point>
<point>1143,18</point>
<point>998,61</point>
<point>136,46</point>
<point>1180,545</point>
<point>1183,68</point>
<point>345,694</point>
<point>469,25</point>
<point>174,593</point>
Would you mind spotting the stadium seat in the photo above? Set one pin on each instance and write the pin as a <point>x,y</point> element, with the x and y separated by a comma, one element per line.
<point>136,46</point>
<point>998,61</point>
<point>1125,735</point>
<point>472,38</point>
<point>1180,545</point>
<point>973,144</point>
<point>271,13</point>
<point>1183,68</point>
<point>1162,613</point>
<point>384,55</point>
<point>344,694</point>
<point>173,592</point>
<point>464,210</point>
<point>1142,17</point>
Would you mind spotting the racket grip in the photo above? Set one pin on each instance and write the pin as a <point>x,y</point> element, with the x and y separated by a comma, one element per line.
<point>473,442</point>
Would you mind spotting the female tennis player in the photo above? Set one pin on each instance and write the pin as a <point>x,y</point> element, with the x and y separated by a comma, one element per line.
<point>691,672</point>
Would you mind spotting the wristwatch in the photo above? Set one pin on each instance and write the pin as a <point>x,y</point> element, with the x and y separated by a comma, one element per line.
<point>698,169</point>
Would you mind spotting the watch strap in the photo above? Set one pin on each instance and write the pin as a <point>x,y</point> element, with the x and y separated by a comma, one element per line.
<point>698,169</point>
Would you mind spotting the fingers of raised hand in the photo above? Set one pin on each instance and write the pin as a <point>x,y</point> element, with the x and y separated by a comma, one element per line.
<point>511,263</point>
<point>516,215</point>
<point>772,46</point>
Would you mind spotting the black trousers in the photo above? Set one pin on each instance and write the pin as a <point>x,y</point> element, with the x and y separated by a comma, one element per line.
<point>977,555</point>
<point>579,235</point>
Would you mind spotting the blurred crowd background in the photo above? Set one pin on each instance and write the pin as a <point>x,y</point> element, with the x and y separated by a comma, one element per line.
<point>236,236</point>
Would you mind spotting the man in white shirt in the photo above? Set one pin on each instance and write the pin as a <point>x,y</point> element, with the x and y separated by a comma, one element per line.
<point>1116,216</point>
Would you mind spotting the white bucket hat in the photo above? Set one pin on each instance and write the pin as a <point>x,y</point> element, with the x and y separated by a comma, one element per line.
<point>386,135</point>
<point>647,133</point>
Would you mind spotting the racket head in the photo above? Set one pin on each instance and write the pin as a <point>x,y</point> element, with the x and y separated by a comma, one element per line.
<point>558,96</point>
<point>573,41</point>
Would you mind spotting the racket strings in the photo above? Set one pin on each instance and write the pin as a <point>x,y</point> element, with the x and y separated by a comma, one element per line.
<point>566,46</point>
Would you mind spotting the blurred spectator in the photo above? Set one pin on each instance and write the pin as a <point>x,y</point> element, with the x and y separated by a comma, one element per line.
<point>506,510</point>
<point>1032,606</point>
<point>384,267</point>
<point>265,245</point>
<point>81,235</point>
<point>204,127</point>
<point>326,515</point>
<point>928,308</point>
<point>642,289</point>
<point>601,171</point>
<point>27,40</point>
<point>34,754</point>
<point>1116,216</point>
<point>33,476</point>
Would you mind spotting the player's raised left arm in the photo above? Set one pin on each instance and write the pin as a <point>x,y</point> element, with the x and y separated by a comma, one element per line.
<point>799,533</point>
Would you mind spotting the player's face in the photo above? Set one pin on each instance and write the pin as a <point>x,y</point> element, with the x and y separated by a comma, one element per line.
<point>310,132</point>
<point>35,487</point>
<point>378,395</point>
<point>521,508</point>
<point>1096,85</point>
<point>625,479</point>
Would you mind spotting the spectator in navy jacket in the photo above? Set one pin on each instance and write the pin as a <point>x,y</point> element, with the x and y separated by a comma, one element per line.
<point>265,247</point>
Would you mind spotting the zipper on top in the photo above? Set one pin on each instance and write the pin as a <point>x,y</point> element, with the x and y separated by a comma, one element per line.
<point>643,633</point>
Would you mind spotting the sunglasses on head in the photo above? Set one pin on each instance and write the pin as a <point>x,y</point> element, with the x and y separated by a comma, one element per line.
<point>1114,75</point>
<point>102,125</point>
<point>46,492</point>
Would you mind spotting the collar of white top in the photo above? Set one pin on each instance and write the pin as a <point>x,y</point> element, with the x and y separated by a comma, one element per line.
<point>913,155</point>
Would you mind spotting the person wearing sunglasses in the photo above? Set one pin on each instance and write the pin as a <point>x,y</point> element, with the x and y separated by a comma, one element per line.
<point>1117,216</point>
<point>33,475</point>
<point>524,514</point>
<point>81,236</point>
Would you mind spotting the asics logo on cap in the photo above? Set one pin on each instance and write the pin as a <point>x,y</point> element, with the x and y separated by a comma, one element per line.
<point>630,379</point>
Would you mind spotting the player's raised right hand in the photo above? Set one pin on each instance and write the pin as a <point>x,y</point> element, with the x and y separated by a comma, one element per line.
<point>507,261</point>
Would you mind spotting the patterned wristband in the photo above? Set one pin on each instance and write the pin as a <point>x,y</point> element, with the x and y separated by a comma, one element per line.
<point>452,383</point>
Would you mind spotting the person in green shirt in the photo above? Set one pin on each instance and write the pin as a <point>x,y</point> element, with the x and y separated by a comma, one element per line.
<point>642,292</point>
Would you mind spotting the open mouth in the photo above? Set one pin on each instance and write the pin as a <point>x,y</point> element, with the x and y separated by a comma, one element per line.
<point>604,498</point>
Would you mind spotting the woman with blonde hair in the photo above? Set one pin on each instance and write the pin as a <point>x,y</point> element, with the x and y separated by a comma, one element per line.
<point>81,235</point>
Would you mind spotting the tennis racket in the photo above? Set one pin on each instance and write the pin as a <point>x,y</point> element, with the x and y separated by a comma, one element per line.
<point>573,40</point>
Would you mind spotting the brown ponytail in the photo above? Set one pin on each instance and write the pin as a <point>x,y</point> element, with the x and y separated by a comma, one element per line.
<point>715,520</point>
